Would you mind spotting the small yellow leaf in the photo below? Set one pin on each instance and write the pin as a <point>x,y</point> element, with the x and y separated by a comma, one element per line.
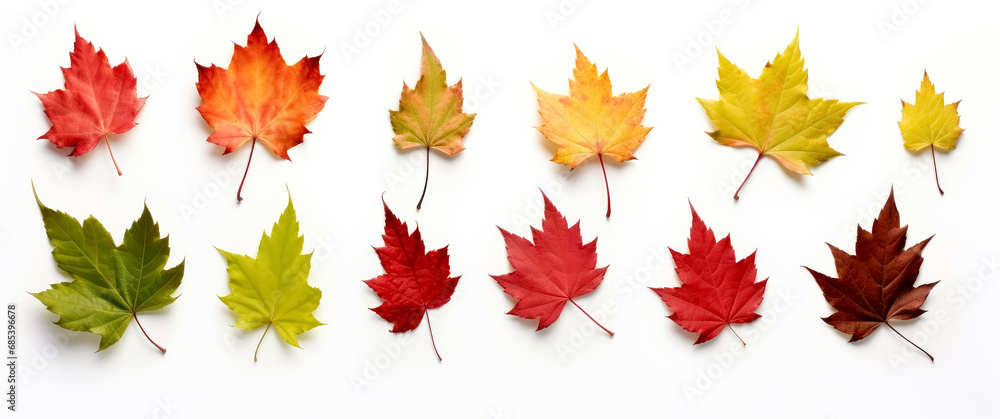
<point>929,122</point>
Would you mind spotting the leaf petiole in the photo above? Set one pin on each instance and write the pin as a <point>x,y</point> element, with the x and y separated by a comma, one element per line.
<point>239,197</point>
<point>108,143</point>
<point>610,333</point>
<point>136,317</point>
<point>261,341</point>
<point>737,334</point>
<point>736,196</point>
<point>427,176</point>
<point>911,342</point>
<point>432,333</point>
<point>607,188</point>
<point>936,180</point>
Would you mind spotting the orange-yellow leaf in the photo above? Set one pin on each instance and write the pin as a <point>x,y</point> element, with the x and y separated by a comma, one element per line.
<point>590,121</point>
<point>259,97</point>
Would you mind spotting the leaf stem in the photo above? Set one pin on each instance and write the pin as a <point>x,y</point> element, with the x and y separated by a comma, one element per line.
<point>911,342</point>
<point>136,317</point>
<point>934,159</point>
<point>261,341</point>
<point>432,332</point>
<point>108,143</point>
<point>736,196</point>
<point>600,157</point>
<point>239,191</point>
<point>610,333</point>
<point>427,176</point>
<point>737,334</point>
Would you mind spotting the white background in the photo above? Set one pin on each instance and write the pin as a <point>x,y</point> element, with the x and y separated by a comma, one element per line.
<point>496,365</point>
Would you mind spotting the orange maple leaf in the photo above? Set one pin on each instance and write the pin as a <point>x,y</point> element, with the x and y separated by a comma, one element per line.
<point>259,97</point>
<point>590,121</point>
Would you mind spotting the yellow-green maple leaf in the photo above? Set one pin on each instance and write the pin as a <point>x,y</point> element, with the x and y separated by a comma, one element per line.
<point>929,122</point>
<point>430,114</point>
<point>773,114</point>
<point>590,121</point>
<point>271,290</point>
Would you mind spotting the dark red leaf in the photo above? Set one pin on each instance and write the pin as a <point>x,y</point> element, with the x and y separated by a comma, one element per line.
<point>875,285</point>
<point>415,281</point>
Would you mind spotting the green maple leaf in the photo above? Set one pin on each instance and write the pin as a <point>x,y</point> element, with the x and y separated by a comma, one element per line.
<point>110,285</point>
<point>271,290</point>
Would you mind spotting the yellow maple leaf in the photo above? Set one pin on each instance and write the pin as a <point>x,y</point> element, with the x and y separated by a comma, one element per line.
<point>430,114</point>
<point>773,114</point>
<point>590,121</point>
<point>929,122</point>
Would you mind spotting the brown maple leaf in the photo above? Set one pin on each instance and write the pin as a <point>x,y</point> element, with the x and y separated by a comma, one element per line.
<point>875,284</point>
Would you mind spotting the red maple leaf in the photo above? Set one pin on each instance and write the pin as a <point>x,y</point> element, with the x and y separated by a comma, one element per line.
<point>876,284</point>
<point>553,268</point>
<point>97,101</point>
<point>716,290</point>
<point>415,281</point>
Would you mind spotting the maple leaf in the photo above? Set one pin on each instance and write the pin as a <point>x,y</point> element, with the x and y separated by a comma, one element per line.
<point>271,289</point>
<point>716,290</point>
<point>773,115</point>
<point>875,285</point>
<point>551,269</point>
<point>929,122</point>
<point>590,121</point>
<point>430,114</point>
<point>415,280</point>
<point>260,98</point>
<point>97,101</point>
<point>110,285</point>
